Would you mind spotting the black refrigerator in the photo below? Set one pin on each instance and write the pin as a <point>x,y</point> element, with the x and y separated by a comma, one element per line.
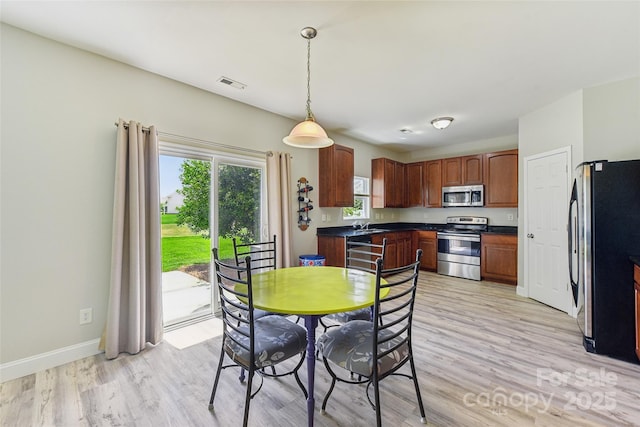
<point>604,231</point>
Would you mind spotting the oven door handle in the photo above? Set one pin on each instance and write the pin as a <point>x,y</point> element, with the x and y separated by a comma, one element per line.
<point>463,237</point>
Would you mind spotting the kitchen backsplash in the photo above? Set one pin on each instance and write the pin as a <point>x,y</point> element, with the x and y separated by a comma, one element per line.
<point>497,216</point>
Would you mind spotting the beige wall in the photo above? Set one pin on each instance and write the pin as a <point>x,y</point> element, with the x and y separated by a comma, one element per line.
<point>612,121</point>
<point>556,125</point>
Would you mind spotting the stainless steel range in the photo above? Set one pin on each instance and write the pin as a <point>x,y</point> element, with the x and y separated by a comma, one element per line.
<point>459,246</point>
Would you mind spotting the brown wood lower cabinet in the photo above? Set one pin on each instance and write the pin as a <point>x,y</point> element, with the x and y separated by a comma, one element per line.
<point>428,242</point>
<point>499,258</point>
<point>405,256</point>
<point>332,248</point>
<point>636,279</point>
<point>398,250</point>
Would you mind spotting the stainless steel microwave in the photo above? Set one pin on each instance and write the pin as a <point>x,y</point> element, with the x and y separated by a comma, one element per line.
<point>463,195</point>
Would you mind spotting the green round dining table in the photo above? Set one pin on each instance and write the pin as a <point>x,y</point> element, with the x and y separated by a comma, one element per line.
<point>312,292</point>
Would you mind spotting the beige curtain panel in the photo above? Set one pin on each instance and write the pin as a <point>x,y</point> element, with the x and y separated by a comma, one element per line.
<point>279,204</point>
<point>134,316</point>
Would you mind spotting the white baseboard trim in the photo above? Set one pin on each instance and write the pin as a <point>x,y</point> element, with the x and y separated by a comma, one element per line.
<point>51,359</point>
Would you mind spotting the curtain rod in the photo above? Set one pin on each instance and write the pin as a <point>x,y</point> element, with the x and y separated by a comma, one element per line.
<point>204,141</point>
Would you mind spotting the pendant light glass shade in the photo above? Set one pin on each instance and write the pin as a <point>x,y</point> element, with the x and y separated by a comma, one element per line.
<point>308,134</point>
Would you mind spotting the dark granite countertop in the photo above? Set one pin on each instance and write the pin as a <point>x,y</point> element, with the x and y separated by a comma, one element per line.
<point>635,260</point>
<point>349,231</point>
<point>502,229</point>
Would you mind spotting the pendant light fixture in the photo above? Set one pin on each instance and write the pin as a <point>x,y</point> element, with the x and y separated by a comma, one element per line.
<point>308,134</point>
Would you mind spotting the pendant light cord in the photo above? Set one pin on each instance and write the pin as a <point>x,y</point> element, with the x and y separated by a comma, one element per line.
<point>309,113</point>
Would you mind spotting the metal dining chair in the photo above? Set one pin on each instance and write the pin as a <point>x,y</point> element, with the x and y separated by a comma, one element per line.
<point>360,256</point>
<point>376,349</point>
<point>263,258</point>
<point>252,344</point>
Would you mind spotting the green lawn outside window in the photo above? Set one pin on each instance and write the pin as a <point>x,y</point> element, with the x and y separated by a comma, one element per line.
<point>181,247</point>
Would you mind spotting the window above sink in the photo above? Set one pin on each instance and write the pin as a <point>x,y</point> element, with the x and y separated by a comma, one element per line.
<point>361,200</point>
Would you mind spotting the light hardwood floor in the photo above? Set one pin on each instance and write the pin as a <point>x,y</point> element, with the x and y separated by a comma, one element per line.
<point>484,357</point>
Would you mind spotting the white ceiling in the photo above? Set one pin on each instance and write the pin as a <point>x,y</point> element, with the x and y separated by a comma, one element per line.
<point>376,66</point>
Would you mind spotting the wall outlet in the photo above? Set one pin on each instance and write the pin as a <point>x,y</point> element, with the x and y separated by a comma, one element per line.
<point>324,217</point>
<point>377,216</point>
<point>509,217</point>
<point>86,316</point>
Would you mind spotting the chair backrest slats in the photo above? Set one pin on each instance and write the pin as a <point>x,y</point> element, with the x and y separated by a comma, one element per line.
<point>234,284</point>
<point>363,255</point>
<point>393,314</point>
<point>263,254</point>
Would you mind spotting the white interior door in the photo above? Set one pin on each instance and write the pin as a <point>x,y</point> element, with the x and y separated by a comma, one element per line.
<point>546,211</point>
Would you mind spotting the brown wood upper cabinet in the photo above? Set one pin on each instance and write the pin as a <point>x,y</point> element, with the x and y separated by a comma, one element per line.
<point>415,187</point>
<point>501,179</point>
<point>424,184</point>
<point>465,170</point>
<point>472,169</point>
<point>335,183</point>
<point>398,185</point>
<point>388,186</point>
<point>451,171</point>
<point>433,183</point>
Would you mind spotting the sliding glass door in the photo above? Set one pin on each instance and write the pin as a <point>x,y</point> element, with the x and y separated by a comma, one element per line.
<point>239,207</point>
<point>185,188</point>
<point>206,201</point>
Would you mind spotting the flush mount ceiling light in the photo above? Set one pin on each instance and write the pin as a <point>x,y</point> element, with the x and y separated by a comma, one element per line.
<point>308,134</point>
<point>441,122</point>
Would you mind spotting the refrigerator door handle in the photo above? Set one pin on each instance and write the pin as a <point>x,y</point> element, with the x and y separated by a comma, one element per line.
<point>573,245</point>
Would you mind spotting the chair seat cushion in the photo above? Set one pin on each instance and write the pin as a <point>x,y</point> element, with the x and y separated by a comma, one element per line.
<point>350,346</point>
<point>276,340</point>
<point>258,314</point>
<point>348,316</point>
